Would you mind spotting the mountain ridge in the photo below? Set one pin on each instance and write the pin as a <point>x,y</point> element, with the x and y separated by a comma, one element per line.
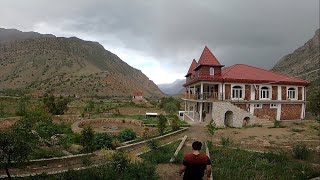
<point>69,66</point>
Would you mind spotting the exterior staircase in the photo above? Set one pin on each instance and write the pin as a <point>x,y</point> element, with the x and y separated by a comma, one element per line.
<point>226,114</point>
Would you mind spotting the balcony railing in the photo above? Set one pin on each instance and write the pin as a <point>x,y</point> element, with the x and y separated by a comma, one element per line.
<point>215,96</point>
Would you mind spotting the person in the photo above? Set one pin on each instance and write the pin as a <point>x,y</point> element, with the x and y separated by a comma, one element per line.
<point>195,163</point>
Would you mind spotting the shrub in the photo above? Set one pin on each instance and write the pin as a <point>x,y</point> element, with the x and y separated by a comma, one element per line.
<point>296,130</point>
<point>119,162</point>
<point>140,170</point>
<point>103,140</point>
<point>87,139</point>
<point>225,141</point>
<point>175,125</point>
<point>153,144</point>
<point>162,123</point>
<point>300,151</point>
<point>127,135</point>
<point>277,124</point>
<point>86,161</point>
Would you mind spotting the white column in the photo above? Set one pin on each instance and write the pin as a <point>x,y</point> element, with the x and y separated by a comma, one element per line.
<point>200,111</point>
<point>224,92</point>
<point>185,106</point>
<point>302,110</point>
<point>252,109</point>
<point>201,90</point>
<point>188,107</point>
<point>302,92</point>
<point>279,93</point>
<point>194,110</point>
<point>278,118</point>
<point>252,92</point>
<point>220,92</point>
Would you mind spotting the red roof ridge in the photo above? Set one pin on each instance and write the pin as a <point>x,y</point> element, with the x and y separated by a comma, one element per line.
<point>193,65</point>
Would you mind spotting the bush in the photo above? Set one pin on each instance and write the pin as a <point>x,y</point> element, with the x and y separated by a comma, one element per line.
<point>127,135</point>
<point>103,140</point>
<point>86,161</point>
<point>225,141</point>
<point>88,139</point>
<point>175,125</point>
<point>141,171</point>
<point>119,162</point>
<point>277,124</point>
<point>162,123</point>
<point>296,130</point>
<point>301,151</point>
<point>153,144</point>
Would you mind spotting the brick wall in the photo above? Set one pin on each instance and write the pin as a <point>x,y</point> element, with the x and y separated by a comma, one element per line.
<point>227,91</point>
<point>299,93</point>
<point>247,92</point>
<point>284,92</point>
<point>274,92</point>
<point>217,71</point>
<point>290,111</point>
<point>266,112</point>
<point>204,71</point>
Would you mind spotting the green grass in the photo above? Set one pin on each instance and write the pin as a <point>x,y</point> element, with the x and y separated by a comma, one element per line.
<point>296,130</point>
<point>162,154</point>
<point>234,163</point>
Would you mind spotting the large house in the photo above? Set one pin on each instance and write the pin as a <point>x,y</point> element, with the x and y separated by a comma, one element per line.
<point>241,94</point>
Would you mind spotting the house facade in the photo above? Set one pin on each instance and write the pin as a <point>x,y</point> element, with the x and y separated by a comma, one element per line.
<point>240,95</point>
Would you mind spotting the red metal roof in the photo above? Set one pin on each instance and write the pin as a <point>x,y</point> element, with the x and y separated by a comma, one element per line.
<point>250,73</point>
<point>193,65</point>
<point>208,59</point>
<point>138,93</point>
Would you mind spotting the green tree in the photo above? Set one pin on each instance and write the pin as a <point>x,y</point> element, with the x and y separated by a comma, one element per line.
<point>211,128</point>
<point>103,140</point>
<point>22,106</point>
<point>1,110</point>
<point>56,106</point>
<point>162,124</point>
<point>88,139</point>
<point>314,103</point>
<point>175,125</point>
<point>171,108</point>
<point>16,145</point>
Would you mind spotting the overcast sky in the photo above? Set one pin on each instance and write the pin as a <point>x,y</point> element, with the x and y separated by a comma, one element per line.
<point>161,37</point>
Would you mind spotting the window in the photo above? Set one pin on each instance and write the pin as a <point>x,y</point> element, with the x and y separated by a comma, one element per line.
<point>211,71</point>
<point>264,93</point>
<point>273,105</point>
<point>291,94</point>
<point>237,92</point>
<point>258,106</point>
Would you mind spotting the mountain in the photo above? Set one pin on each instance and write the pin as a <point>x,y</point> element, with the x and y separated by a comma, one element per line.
<point>14,34</point>
<point>67,66</point>
<point>303,60</point>
<point>173,88</point>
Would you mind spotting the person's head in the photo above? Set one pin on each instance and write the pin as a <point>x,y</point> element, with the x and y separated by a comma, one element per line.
<point>196,145</point>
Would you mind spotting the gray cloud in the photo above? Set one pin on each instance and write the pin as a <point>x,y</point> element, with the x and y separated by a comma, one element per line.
<point>175,32</point>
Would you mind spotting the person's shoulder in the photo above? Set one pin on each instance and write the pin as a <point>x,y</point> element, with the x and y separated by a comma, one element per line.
<point>188,156</point>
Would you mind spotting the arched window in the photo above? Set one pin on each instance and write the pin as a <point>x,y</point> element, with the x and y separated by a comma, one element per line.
<point>211,71</point>
<point>237,92</point>
<point>264,93</point>
<point>291,94</point>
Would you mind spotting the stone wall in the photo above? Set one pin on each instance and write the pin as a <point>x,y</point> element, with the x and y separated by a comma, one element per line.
<point>266,112</point>
<point>219,110</point>
<point>290,111</point>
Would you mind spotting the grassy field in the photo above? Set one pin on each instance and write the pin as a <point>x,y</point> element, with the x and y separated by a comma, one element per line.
<point>162,154</point>
<point>234,163</point>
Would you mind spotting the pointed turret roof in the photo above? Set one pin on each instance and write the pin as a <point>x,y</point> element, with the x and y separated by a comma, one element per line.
<point>193,65</point>
<point>208,59</point>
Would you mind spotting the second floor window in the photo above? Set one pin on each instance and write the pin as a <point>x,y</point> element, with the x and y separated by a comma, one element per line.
<point>211,71</point>
<point>237,92</point>
<point>292,93</point>
<point>264,93</point>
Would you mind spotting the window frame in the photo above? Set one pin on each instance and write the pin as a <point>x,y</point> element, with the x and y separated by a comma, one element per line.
<point>211,71</point>
<point>294,91</point>
<point>271,105</point>
<point>269,92</point>
<point>241,89</point>
<point>256,106</point>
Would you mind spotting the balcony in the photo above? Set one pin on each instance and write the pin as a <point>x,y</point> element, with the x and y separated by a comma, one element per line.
<point>214,96</point>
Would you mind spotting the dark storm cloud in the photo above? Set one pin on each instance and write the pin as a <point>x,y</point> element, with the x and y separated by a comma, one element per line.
<point>175,32</point>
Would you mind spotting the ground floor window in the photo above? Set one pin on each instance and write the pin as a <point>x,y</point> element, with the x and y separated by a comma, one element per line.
<point>273,105</point>
<point>258,106</point>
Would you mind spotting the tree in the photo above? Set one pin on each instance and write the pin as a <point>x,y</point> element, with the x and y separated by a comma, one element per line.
<point>162,124</point>
<point>171,108</point>
<point>1,110</point>
<point>103,140</point>
<point>175,125</point>
<point>16,145</point>
<point>88,139</point>
<point>211,128</point>
<point>22,110</point>
<point>314,103</point>
<point>127,135</point>
<point>55,106</point>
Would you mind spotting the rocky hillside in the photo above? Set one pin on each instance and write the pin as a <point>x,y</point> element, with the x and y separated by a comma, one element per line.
<point>14,34</point>
<point>173,88</point>
<point>303,60</point>
<point>68,66</point>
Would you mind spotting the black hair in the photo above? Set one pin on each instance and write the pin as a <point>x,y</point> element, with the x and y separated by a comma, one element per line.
<point>196,145</point>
